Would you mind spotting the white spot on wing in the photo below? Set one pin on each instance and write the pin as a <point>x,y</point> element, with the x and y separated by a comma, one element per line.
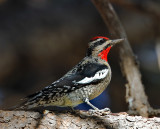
<point>99,75</point>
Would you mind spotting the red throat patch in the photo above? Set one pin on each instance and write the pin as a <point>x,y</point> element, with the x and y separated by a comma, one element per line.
<point>104,54</point>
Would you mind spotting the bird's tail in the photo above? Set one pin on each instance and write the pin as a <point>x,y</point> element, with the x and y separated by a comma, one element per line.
<point>27,103</point>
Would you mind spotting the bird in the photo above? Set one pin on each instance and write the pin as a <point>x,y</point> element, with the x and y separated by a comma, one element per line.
<point>84,82</point>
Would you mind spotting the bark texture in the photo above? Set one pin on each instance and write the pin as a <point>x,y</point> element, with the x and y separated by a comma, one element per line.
<point>80,120</point>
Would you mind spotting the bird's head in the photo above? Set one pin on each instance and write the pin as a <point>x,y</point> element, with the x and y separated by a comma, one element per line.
<point>100,46</point>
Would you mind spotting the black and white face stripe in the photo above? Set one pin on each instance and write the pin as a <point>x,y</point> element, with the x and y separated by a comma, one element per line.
<point>97,42</point>
<point>98,76</point>
<point>94,44</point>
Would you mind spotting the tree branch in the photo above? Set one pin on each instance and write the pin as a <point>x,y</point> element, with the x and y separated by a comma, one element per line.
<point>135,94</point>
<point>82,119</point>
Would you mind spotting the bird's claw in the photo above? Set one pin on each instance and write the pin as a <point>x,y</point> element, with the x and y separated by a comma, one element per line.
<point>101,112</point>
<point>106,110</point>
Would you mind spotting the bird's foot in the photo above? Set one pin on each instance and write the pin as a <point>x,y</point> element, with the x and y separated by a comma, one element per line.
<point>106,110</point>
<point>100,112</point>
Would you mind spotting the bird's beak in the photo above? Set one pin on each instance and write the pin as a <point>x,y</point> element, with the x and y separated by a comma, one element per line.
<point>115,41</point>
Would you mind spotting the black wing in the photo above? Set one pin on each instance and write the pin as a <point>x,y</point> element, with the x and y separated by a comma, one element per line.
<point>80,76</point>
<point>84,75</point>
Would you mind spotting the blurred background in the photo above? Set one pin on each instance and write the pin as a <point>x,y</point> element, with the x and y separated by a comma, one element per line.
<point>40,40</point>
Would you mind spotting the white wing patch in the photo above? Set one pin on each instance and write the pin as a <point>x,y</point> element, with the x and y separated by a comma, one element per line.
<point>99,75</point>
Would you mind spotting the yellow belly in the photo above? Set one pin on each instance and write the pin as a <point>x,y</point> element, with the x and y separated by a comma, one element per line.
<point>76,97</point>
